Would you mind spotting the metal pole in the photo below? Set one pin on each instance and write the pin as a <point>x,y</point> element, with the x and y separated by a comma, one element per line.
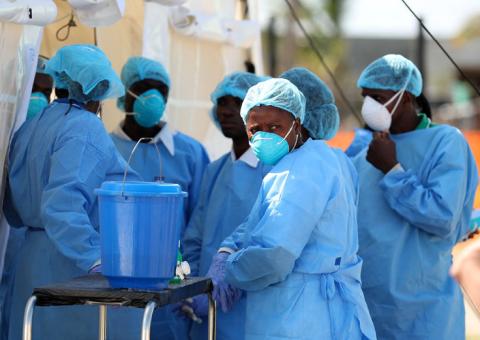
<point>421,53</point>
<point>272,46</point>
<point>212,318</point>
<point>102,322</point>
<point>27,318</point>
<point>147,320</point>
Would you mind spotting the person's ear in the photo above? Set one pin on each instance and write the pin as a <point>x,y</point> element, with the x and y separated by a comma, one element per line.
<point>298,126</point>
<point>129,101</point>
<point>408,98</point>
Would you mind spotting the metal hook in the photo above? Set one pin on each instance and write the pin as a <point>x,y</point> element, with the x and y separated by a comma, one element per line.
<point>160,178</point>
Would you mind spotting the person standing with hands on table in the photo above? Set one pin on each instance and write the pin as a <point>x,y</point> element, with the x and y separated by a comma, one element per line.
<point>417,185</point>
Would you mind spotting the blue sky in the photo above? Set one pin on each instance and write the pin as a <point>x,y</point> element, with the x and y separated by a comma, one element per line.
<point>391,18</point>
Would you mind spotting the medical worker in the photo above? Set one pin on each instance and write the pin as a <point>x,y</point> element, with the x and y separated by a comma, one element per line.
<point>166,155</point>
<point>56,160</point>
<point>182,159</point>
<point>417,185</point>
<point>229,189</point>
<point>295,255</point>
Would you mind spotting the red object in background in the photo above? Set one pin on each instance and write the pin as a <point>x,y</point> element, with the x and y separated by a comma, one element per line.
<point>343,139</point>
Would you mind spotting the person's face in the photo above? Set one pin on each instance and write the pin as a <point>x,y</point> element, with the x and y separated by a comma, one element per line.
<point>228,115</point>
<point>43,83</point>
<point>142,86</point>
<point>274,120</point>
<point>404,106</point>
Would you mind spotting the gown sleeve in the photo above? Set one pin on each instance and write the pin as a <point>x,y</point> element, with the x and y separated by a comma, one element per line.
<point>434,204</point>
<point>288,218</point>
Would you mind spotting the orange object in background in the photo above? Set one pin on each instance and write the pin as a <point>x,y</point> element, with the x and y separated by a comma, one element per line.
<point>343,139</point>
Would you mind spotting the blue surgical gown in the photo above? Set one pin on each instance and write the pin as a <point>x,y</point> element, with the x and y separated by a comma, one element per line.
<point>409,220</point>
<point>16,238</point>
<point>56,161</point>
<point>296,254</point>
<point>184,167</point>
<point>229,189</point>
<point>361,140</point>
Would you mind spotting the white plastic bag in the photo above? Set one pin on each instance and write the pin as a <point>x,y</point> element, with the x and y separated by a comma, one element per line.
<point>95,13</point>
<point>239,33</point>
<point>38,12</point>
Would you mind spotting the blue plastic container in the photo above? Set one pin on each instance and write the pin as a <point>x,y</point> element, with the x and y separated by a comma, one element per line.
<point>140,225</point>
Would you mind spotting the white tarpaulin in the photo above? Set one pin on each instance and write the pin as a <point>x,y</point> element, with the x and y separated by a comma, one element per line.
<point>95,13</point>
<point>19,50</point>
<point>199,43</point>
<point>169,2</point>
<point>38,12</point>
<point>240,33</point>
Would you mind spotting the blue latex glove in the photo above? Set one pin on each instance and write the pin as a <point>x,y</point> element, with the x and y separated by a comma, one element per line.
<point>223,293</point>
<point>193,308</point>
<point>199,305</point>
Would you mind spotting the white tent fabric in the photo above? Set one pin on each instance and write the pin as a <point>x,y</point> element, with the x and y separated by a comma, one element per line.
<point>240,33</point>
<point>40,12</point>
<point>169,2</point>
<point>199,45</point>
<point>19,50</point>
<point>95,13</point>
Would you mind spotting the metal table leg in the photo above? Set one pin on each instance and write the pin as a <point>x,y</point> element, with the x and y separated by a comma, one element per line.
<point>147,320</point>
<point>27,318</point>
<point>102,322</point>
<point>212,318</point>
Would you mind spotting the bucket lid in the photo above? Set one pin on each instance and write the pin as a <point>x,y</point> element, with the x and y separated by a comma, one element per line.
<point>150,189</point>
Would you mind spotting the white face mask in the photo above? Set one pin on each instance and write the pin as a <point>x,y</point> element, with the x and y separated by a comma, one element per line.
<point>376,115</point>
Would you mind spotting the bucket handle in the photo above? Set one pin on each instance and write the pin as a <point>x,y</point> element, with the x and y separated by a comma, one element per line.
<point>160,178</point>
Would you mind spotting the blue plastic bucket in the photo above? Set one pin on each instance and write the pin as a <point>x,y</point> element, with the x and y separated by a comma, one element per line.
<point>140,225</point>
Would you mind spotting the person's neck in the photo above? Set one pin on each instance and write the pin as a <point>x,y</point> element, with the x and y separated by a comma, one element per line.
<point>408,123</point>
<point>135,131</point>
<point>299,143</point>
<point>240,146</point>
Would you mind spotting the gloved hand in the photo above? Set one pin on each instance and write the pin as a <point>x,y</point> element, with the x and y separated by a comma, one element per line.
<point>198,304</point>
<point>223,293</point>
<point>193,308</point>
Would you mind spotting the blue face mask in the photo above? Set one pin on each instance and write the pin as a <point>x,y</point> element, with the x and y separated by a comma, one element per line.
<point>38,101</point>
<point>148,108</point>
<point>270,147</point>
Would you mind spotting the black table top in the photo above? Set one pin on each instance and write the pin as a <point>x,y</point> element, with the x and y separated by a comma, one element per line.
<point>96,289</point>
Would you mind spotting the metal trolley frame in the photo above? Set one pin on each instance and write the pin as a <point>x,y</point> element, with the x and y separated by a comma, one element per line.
<point>95,290</point>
